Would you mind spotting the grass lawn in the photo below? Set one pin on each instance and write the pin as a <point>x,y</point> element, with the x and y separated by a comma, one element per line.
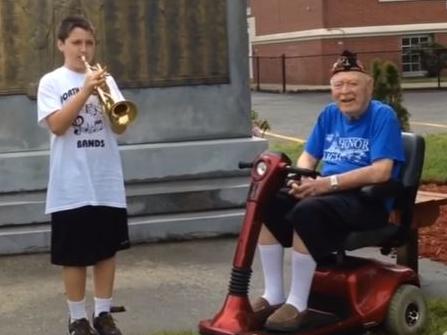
<point>435,164</point>
<point>437,323</point>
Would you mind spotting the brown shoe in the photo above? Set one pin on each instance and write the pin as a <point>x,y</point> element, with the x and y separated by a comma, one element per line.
<point>262,309</point>
<point>285,319</point>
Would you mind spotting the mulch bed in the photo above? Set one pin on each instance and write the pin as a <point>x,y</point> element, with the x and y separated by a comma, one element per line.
<point>433,239</point>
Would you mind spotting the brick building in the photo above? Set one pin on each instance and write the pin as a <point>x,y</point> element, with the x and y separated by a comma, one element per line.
<point>309,33</point>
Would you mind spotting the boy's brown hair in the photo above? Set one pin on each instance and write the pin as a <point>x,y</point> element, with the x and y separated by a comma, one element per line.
<point>71,22</point>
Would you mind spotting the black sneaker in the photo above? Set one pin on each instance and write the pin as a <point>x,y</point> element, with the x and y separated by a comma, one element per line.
<point>105,325</point>
<point>81,327</point>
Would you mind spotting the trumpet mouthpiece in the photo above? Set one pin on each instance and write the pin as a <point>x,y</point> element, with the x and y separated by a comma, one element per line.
<point>84,60</point>
<point>86,64</point>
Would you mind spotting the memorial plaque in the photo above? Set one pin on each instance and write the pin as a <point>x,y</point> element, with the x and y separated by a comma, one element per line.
<point>143,43</point>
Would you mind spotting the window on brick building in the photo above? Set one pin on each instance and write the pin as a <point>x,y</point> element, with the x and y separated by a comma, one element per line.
<point>411,58</point>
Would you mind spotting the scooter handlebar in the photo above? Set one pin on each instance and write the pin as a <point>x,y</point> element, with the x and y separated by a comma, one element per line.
<point>245,165</point>
<point>302,172</point>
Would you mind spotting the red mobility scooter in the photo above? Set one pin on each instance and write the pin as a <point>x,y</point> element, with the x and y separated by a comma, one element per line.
<point>349,294</point>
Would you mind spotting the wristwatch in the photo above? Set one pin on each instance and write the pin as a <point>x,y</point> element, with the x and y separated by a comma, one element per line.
<point>335,186</point>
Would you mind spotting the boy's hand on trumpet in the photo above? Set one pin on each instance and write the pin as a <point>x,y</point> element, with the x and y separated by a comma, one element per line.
<point>94,78</point>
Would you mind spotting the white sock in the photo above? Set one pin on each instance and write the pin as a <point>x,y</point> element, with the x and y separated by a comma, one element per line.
<point>272,259</point>
<point>303,269</point>
<point>77,310</point>
<point>102,305</point>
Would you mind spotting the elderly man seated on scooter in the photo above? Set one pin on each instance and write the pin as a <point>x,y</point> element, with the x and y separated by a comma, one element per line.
<point>359,143</point>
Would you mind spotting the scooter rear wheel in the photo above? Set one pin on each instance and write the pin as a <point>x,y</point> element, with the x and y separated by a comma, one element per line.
<point>407,312</point>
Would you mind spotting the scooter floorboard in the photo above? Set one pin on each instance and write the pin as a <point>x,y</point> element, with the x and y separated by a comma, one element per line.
<point>314,323</point>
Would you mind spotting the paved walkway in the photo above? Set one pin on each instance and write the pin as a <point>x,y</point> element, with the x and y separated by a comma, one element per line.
<point>294,115</point>
<point>165,286</point>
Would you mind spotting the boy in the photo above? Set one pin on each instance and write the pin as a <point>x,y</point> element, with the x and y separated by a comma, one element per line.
<point>86,196</point>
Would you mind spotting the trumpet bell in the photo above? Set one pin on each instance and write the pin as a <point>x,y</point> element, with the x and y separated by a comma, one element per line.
<point>121,115</point>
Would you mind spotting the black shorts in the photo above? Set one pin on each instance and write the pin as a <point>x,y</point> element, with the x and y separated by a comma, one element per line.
<point>83,236</point>
<point>322,222</point>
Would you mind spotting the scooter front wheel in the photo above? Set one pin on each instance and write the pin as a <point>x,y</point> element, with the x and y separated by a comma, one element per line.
<point>407,312</point>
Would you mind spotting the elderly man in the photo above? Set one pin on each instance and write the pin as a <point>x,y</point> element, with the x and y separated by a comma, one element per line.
<point>359,143</point>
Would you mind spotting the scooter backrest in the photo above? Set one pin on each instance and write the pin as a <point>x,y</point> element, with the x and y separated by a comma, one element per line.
<point>392,234</point>
<point>414,146</point>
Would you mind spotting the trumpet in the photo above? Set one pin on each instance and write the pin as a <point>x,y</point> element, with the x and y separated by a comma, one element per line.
<point>120,113</point>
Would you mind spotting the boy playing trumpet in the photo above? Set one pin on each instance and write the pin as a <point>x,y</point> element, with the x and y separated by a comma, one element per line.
<point>86,196</point>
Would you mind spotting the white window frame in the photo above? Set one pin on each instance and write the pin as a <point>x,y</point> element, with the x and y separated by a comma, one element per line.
<point>411,63</point>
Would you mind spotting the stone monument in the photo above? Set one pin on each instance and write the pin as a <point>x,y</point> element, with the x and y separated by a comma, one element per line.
<point>184,63</point>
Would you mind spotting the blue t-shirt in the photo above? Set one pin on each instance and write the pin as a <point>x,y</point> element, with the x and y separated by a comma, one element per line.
<point>344,145</point>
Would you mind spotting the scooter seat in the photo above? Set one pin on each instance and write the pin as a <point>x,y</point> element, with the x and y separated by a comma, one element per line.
<point>371,238</point>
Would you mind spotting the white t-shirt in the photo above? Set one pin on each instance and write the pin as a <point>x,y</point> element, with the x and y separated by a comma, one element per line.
<point>85,164</point>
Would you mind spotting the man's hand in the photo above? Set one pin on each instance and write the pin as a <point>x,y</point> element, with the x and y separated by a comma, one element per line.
<point>308,187</point>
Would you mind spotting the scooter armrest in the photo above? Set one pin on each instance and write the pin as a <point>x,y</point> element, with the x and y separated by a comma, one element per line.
<point>391,188</point>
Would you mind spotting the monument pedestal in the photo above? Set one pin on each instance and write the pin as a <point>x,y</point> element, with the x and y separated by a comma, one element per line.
<point>174,191</point>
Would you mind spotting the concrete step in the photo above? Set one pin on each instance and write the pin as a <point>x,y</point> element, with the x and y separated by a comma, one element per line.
<point>143,199</point>
<point>187,196</point>
<point>180,226</point>
<point>28,171</point>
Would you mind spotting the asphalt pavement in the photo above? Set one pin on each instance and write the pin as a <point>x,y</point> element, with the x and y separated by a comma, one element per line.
<point>164,287</point>
<point>294,114</point>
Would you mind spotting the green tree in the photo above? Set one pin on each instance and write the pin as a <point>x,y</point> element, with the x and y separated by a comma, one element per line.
<point>433,58</point>
<point>387,88</point>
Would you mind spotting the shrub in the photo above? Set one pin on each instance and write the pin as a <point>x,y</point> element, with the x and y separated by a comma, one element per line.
<point>387,88</point>
<point>259,126</point>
